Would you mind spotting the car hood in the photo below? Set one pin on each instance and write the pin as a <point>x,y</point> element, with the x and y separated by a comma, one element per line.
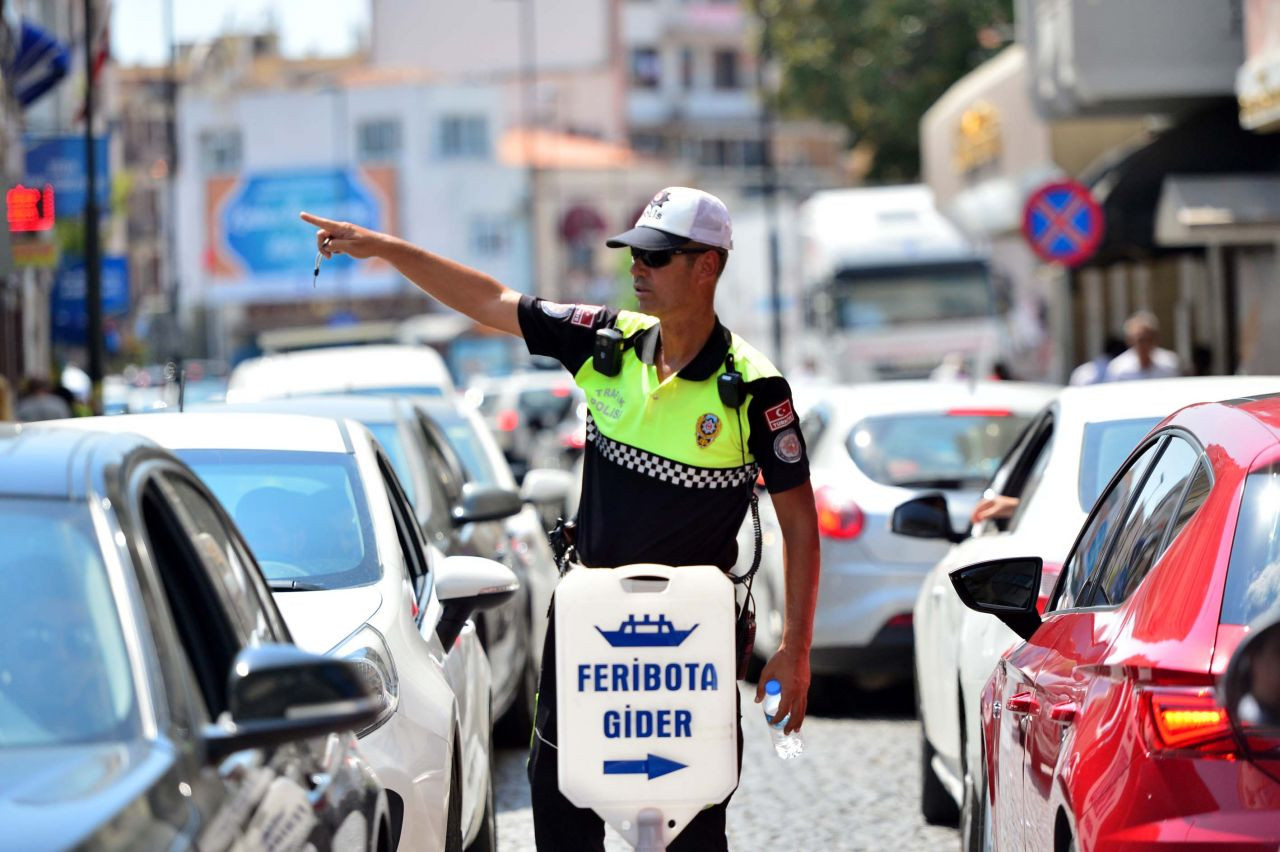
<point>320,620</point>
<point>56,797</point>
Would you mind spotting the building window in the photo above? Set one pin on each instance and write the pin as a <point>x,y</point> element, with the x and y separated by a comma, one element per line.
<point>378,139</point>
<point>727,75</point>
<point>686,68</point>
<point>464,137</point>
<point>646,69</point>
<point>488,236</point>
<point>220,152</point>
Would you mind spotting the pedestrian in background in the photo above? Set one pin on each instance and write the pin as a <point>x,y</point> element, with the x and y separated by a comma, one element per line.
<point>6,401</point>
<point>1095,371</point>
<point>39,402</point>
<point>1143,359</point>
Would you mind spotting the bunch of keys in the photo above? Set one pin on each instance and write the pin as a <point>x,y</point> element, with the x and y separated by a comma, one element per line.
<point>319,255</point>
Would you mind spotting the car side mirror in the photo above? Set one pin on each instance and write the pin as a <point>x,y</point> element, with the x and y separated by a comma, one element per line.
<point>1250,687</point>
<point>1005,588</point>
<point>466,584</point>
<point>279,693</point>
<point>546,487</point>
<point>926,516</point>
<point>485,503</point>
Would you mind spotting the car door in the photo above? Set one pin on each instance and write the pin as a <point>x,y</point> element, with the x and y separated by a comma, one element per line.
<point>1014,705</point>
<point>272,797</point>
<point>1082,638</point>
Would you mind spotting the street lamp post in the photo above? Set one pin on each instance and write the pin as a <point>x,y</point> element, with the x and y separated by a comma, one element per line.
<point>92,250</point>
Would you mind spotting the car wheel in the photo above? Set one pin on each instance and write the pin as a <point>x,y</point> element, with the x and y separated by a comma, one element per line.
<point>453,828</point>
<point>487,839</point>
<point>936,804</point>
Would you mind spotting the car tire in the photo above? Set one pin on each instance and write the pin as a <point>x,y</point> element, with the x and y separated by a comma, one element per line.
<point>453,827</point>
<point>487,838</point>
<point>936,805</point>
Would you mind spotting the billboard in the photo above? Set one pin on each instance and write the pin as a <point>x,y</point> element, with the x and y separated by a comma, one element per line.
<point>67,302</point>
<point>258,250</point>
<point>59,161</point>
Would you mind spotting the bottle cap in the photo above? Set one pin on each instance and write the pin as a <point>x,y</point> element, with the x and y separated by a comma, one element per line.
<point>773,688</point>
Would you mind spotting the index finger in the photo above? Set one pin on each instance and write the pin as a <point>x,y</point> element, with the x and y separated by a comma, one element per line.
<point>318,221</point>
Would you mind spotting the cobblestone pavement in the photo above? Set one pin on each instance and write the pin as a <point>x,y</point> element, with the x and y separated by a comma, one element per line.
<point>856,787</point>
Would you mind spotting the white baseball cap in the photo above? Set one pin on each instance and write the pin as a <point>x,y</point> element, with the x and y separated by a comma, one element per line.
<point>679,215</point>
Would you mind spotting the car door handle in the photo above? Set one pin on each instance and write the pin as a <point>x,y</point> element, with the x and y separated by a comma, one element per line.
<point>1064,712</point>
<point>1023,702</point>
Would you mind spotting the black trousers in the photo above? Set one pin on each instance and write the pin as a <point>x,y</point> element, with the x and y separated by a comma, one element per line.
<point>558,826</point>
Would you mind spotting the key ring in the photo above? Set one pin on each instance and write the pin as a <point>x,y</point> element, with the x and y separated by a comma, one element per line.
<point>319,255</point>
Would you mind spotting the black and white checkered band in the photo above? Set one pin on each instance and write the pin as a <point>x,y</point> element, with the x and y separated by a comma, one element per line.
<point>667,470</point>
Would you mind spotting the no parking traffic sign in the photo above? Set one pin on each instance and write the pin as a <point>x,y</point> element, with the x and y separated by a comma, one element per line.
<point>647,698</point>
<point>1063,223</point>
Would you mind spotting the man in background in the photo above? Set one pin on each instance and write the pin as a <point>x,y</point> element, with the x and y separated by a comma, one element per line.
<point>1143,359</point>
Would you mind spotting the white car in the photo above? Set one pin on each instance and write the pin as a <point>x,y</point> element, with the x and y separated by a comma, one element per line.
<point>521,406</point>
<point>870,448</point>
<point>377,370</point>
<point>320,506</point>
<point>1057,469</point>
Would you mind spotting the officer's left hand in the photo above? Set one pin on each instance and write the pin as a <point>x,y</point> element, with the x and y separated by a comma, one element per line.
<point>790,668</point>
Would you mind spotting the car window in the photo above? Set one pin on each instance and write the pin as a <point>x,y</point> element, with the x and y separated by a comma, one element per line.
<point>64,671</point>
<point>1141,538</point>
<point>410,543</point>
<point>944,449</point>
<point>1253,574</point>
<point>227,565</point>
<point>468,446</point>
<point>1197,492</point>
<point>388,435</point>
<point>1091,546</point>
<point>304,514</point>
<point>1104,446</point>
<point>1014,456</point>
<point>1025,490</point>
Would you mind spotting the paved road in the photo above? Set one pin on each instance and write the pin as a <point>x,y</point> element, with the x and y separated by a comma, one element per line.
<point>856,787</point>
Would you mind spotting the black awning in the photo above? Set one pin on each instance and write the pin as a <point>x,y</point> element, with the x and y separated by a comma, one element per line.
<point>1208,142</point>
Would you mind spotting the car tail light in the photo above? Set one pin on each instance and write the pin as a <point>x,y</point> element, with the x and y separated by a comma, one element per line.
<point>838,516</point>
<point>561,392</point>
<point>902,619</point>
<point>979,412</point>
<point>508,420</point>
<point>575,440</point>
<point>1186,719</point>
<point>1048,579</point>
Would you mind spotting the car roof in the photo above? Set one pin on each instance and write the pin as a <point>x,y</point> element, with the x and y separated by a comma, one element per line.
<point>227,430</point>
<point>1264,408</point>
<point>1158,398</point>
<point>355,406</point>
<point>45,461</point>
<point>861,400</point>
<point>338,368</point>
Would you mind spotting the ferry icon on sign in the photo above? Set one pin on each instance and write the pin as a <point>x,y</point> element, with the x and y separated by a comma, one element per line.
<point>646,633</point>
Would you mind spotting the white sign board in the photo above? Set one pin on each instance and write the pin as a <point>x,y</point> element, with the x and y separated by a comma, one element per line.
<point>647,698</point>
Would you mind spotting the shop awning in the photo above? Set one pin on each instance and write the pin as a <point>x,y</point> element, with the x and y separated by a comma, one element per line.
<point>1238,209</point>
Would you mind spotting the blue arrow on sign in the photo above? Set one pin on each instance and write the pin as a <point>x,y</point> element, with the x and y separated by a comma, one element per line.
<point>653,766</point>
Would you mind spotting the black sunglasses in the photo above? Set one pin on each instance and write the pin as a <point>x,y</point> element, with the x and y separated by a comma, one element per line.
<point>658,258</point>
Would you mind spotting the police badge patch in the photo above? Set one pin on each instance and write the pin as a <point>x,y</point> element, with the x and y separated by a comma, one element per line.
<point>787,446</point>
<point>708,429</point>
<point>555,310</point>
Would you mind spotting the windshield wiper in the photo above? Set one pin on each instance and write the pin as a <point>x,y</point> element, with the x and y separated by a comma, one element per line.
<point>950,484</point>
<point>281,584</point>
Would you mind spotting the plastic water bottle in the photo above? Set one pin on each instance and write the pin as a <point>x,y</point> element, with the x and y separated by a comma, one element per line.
<point>786,745</point>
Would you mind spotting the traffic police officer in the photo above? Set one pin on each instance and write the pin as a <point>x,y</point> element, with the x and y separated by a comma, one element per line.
<point>670,464</point>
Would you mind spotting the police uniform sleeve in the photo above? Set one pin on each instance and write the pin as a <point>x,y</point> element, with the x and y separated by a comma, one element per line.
<point>564,332</point>
<point>775,440</point>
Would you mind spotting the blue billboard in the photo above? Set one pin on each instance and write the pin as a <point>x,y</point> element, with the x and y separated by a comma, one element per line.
<point>67,302</point>
<point>260,223</point>
<point>60,162</point>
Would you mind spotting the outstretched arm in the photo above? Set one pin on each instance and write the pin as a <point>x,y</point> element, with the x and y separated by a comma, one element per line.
<point>798,519</point>
<point>460,287</point>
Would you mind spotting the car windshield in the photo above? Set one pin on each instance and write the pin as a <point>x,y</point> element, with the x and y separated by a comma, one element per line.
<point>954,450</point>
<point>304,514</point>
<point>1253,575</point>
<point>388,435</point>
<point>64,670</point>
<point>389,390</point>
<point>879,297</point>
<point>1106,445</point>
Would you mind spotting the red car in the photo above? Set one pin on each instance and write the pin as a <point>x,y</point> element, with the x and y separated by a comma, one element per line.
<point>1102,729</point>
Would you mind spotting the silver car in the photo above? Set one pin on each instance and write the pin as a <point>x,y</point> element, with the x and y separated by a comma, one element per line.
<point>872,447</point>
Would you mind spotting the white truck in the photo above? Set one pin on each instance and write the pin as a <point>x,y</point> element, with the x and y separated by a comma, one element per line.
<point>892,288</point>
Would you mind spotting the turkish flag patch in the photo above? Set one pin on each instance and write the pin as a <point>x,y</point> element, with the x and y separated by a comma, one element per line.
<point>780,416</point>
<point>585,315</point>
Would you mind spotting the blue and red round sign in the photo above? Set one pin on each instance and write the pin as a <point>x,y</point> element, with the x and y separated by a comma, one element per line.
<point>1063,223</point>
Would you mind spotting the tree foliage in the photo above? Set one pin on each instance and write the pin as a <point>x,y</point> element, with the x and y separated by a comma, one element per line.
<point>875,66</point>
